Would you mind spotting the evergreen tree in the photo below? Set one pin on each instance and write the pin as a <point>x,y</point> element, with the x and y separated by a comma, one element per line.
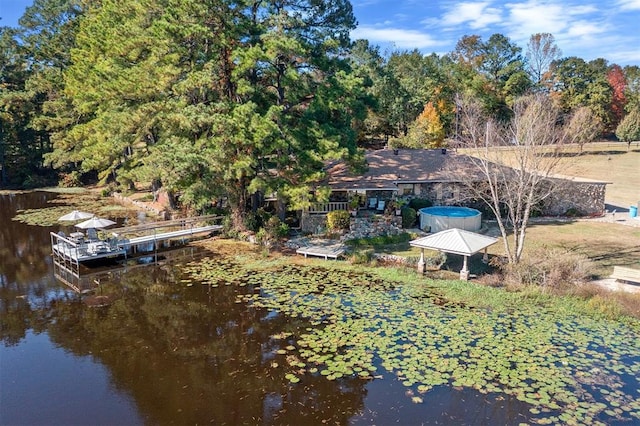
<point>212,98</point>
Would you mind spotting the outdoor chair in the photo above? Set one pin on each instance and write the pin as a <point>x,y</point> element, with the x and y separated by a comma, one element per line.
<point>373,202</point>
<point>381,205</point>
<point>62,243</point>
<point>92,234</point>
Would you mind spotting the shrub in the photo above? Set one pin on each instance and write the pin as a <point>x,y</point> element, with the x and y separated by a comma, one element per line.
<point>409,216</point>
<point>108,190</point>
<point>228,228</point>
<point>554,268</point>
<point>70,180</point>
<point>273,230</point>
<point>252,221</point>
<point>420,203</point>
<point>276,227</point>
<point>573,212</point>
<point>361,257</point>
<point>338,219</point>
<point>380,240</point>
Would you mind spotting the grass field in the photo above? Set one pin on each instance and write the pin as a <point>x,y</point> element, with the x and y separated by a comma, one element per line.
<point>605,244</point>
<point>610,162</point>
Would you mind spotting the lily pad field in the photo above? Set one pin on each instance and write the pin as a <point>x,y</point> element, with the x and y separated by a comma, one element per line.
<point>553,357</point>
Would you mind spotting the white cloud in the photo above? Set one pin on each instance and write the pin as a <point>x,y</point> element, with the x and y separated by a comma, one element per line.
<point>575,27</point>
<point>623,56</point>
<point>401,38</point>
<point>584,29</point>
<point>477,15</point>
<point>629,4</point>
<point>525,19</point>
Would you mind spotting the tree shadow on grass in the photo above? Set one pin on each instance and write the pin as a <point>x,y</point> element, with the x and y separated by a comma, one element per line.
<point>608,255</point>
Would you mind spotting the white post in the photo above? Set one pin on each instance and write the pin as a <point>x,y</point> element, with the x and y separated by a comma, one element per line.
<point>464,273</point>
<point>421,262</point>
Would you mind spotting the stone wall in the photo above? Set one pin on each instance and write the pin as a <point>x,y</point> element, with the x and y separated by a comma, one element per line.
<point>441,193</point>
<point>360,227</point>
<point>586,198</point>
<point>313,223</point>
<point>373,226</point>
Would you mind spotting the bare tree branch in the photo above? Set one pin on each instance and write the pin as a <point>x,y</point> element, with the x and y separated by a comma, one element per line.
<point>513,167</point>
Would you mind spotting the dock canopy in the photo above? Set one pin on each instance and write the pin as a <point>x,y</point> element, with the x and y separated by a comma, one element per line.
<point>456,241</point>
<point>75,215</point>
<point>95,222</point>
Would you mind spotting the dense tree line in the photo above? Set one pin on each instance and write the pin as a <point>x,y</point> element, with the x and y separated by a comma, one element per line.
<point>241,99</point>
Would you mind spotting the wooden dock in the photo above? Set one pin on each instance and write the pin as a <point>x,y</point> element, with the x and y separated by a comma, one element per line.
<point>332,251</point>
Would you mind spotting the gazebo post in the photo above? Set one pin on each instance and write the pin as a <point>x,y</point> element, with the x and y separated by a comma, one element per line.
<point>421,262</point>
<point>485,257</point>
<point>464,273</point>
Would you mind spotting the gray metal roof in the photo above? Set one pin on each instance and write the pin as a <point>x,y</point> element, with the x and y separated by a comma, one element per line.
<point>455,241</point>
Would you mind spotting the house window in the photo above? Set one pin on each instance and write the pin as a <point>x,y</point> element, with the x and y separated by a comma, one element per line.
<point>405,189</point>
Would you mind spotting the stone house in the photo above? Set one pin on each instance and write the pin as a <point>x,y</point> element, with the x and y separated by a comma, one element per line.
<point>436,175</point>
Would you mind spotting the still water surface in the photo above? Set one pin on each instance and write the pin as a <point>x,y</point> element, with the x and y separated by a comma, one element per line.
<point>164,353</point>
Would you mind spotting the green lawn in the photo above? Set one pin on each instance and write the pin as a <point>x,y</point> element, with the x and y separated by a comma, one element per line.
<point>611,162</point>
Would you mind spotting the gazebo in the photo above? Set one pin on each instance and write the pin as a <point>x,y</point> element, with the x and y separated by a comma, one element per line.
<point>456,241</point>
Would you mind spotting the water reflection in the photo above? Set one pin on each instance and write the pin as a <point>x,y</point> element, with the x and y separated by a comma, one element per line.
<point>182,354</point>
<point>24,249</point>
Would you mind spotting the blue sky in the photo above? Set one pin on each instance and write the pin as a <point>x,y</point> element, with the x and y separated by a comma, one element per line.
<point>588,29</point>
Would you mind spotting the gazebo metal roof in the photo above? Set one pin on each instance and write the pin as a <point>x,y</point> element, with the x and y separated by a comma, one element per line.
<point>455,241</point>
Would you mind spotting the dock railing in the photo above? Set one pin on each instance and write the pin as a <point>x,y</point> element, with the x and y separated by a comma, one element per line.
<point>65,252</point>
<point>133,238</point>
<point>174,224</point>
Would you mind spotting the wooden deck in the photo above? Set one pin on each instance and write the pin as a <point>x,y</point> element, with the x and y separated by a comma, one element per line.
<point>333,251</point>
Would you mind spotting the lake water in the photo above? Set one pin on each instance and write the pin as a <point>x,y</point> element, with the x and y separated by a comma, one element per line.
<point>160,352</point>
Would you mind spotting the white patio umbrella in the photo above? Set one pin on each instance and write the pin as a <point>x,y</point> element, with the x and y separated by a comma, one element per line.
<point>95,222</point>
<point>75,215</point>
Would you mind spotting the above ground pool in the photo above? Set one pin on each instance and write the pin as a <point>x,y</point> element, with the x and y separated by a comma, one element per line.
<point>439,218</point>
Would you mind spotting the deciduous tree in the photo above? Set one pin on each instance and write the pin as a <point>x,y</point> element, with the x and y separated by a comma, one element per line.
<point>629,128</point>
<point>576,83</point>
<point>511,166</point>
<point>427,131</point>
<point>618,82</point>
<point>542,50</point>
<point>583,126</point>
<point>632,88</point>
